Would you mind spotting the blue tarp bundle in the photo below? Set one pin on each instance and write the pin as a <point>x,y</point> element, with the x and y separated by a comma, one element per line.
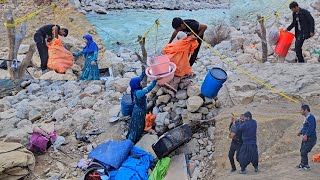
<point>112,153</point>
<point>133,166</point>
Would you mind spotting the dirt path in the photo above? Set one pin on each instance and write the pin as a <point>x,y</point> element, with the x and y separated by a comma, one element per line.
<point>281,169</point>
<point>278,145</point>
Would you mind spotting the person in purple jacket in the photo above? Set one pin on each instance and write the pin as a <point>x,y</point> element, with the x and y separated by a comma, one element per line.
<point>309,138</point>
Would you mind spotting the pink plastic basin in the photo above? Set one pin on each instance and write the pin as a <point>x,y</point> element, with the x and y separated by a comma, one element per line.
<point>159,65</point>
<point>165,77</point>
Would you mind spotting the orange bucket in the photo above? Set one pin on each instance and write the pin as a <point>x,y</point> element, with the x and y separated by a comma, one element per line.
<point>159,65</point>
<point>284,43</point>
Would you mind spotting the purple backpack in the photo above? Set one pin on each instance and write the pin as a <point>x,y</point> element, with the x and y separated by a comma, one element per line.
<point>39,143</point>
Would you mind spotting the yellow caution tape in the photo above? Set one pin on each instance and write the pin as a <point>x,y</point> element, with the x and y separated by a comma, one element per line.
<point>29,16</point>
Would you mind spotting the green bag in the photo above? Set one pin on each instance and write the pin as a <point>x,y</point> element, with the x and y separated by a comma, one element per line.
<point>160,170</point>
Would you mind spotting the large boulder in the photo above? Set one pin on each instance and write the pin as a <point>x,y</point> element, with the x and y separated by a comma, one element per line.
<point>194,90</point>
<point>194,103</point>
<point>121,84</point>
<point>146,143</point>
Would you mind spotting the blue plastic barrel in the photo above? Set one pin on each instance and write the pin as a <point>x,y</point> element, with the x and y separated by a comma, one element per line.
<point>126,105</point>
<point>213,82</point>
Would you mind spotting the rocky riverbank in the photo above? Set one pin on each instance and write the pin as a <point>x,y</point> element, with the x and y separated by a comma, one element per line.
<point>69,18</point>
<point>102,7</point>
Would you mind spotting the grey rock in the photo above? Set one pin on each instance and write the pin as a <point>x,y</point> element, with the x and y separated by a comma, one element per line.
<point>54,98</point>
<point>146,143</point>
<point>93,89</point>
<point>121,84</point>
<point>196,135</point>
<point>163,99</point>
<point>88,102</point>
<point>194,103</point>
<point>24,123</point>
<point>172,125</point>
<point>179,111</point>
<point>34,115</point>
<point>25,84</point>
<point>33,88</point>
<point>204,153</point>
<point>194,90</point>
<point>181,103</point>
<point>60,114</point>
<point>191,147</point>
<point>23,109</point>
<point>19,135</point>
<point>160,92</point>
<point>72,102</point>
<point>181,95</point>
<point>83,115</point>
<point>211,132</point>
<point>160,119</point>
<point>71,88</point>
<point>203,110</point>
<point>99,105</point>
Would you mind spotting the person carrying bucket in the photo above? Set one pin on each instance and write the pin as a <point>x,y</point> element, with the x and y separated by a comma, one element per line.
<point>303,24</point>
<point>137,123</point>
<point>180,25</point>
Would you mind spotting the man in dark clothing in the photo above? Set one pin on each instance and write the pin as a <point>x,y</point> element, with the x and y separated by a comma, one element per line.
<point>47,32</point>
<point>249,149</point>
<point>303,24</point>
<point>309,139</point>
<point>179,25</point>
<point>236,141</point>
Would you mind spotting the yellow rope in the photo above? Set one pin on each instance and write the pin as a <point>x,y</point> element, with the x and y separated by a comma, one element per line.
<point>157,30</point>
<point>29,16</point>
<point>241,70</point>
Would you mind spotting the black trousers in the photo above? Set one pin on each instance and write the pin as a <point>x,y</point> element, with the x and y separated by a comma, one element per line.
<point>42,49</point>
<point>248,154</point>
<point>306,147</point>
<point>234,149</point>
<point>298,47</point>
<point>193,57</point>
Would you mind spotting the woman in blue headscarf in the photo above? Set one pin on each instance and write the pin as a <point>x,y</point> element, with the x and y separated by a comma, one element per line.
<point>139,112</point>
<point>90,52</point>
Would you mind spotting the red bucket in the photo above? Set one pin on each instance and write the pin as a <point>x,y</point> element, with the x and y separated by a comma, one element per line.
<point>284,43</point>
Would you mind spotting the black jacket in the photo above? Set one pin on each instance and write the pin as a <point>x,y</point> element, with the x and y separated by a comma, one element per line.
<point>306,22</point>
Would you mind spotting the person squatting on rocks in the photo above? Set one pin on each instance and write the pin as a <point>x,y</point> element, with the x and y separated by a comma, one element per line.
<point>47,32</point>
<point>236,142</point>
<point>90,52</point>
<point>199,29</point>
<point>249,149</point>
<point>139,112</point>
<point>303,24</point>
<point>309,136</point>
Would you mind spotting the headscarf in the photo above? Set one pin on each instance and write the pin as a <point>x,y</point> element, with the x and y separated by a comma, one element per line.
<point>135,85</point>
<point>91,45</point>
